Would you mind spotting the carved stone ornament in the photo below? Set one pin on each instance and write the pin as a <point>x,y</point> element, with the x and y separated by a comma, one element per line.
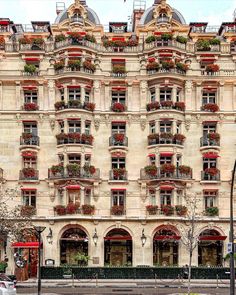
<point>187,124</point>
<point>52,124</point>
<point>143,192</point>
<point>97,121</point>
<point>96,191</point>
<point>51,191</point>
<point>143,122</point>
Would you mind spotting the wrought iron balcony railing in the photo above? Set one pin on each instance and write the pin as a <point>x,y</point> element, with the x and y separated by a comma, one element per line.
<point>118,174</point>
<point>162,175</point>
<point>164,141</point>
<point>205,141</point>
<point>208,177</point>
<point>83,173</point>
<point>29,175</point>
<point>34,140</point>
<point>114,141</point>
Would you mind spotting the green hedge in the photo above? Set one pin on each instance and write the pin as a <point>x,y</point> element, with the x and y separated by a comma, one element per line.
<point>135,272</point>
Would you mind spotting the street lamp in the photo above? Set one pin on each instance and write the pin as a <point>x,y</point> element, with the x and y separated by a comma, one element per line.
<point>95,237</point>
<point>39,230</point>
<point>49,236</point>
<point>231,235</point>
<point>143,238</point>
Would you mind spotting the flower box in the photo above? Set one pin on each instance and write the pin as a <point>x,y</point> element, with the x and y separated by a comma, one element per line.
<point>212,211</point>
<point>89,169</point>
<point>181,210</point>
<point>211,171</point>
<point>153,136</point>
<point>30,69</point>
<point>203,45</point>
<point>132,43</point>
<point>152,209</point>
<point>211,107</point>
<point>118,69</point>
<point>179,105</point>
<point>73,169</point>
<point>166,104</point>
<point>74,136</point>
<point>59,105</point>
<point>118,107</point>
<point>26,135</point>
<point>119,43</point>
<point>74,64</point>
<point>212,68</point>
<point>27,211</point>
<point>181,39</point>
<point>150,39</point>
<point>117,210</point>
<point>181,67</point>
<point>88,209</point>
<point>186,170</point>
<point>153,66</point>
<point>24,41</point>
<point>89,66</point>
<point>118,172</point>
<point>90,38</point>
<point>61,136</point>
<point>60,38</point>
<point>152,106</point>
<point>31,107</point>
<point>213,136</point>
<point>87,139</point>
<point>71,208</point>
<point>89,106</point>
<point>179,137</point>
<point>59,65</point>
<point>166,135</point>
<point>119,137</point>
<point>167,65</point>
<point>37,41</point>
<point>60,210</point>
<point>167,210</point>
<point>75,103</point>
<point>166,36</point>
<point>168,168</point>
<point>75,37</point>
<point>29,172</point>
<point>151,170</point>
<point>55,169</point>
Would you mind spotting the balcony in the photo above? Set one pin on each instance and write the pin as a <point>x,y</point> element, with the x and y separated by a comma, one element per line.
<point>74,138</point>
<point>65,70</point>
<point>118,140</point>
<point>163,19</point>
<point>167,210</point>
<point>168,104</point>
<point>74,104</point>
<point>29,139</point>
<point>158,174</point>
<point>30,107</point>
<point>117,210</point>
<point>118,107</point>
<point>208,142</point>
<point>166,71</point>
<point>81,173</point>
<point>118,174</point>
<point>29,174</point>
<point>166,139</point>
<point>72,209</point>
<point>29,47</point>
<point>210,176</point>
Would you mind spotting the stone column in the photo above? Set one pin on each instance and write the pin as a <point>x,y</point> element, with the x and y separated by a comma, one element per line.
<point>220,101</point>
<point>66,126</point>
<point>19,95</point>
<point>157,93</point>
<point>198,100</point>
<point>97,94</point>
<point>188,95</point>
<point>82,196</point>
<point>234,97</point>
<point>1,96</point>
<point>143,95</point>
<point>66,94</point>
<point>41,96</point>
<point>106,103</point>
<point>51,95</point>
<point>82,94</point>
<point>174,127</point>
<point>129,96</point>
<point>174,93</point>
<point>158,201</point>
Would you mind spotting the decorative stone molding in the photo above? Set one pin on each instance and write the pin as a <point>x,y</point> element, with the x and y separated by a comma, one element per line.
<point>143,122</point>
<point>51,191</point>
<point>97,121</point>
<point>143,191</point>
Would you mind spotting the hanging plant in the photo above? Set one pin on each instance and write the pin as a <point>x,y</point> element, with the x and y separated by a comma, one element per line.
<point>203,45</point>
<point>61,136</point>
<point>37,41</point>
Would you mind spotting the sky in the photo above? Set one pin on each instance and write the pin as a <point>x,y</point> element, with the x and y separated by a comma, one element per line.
<point>24,11</point>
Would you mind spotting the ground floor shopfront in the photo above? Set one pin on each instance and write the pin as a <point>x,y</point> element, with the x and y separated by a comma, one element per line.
<point>121,243</point>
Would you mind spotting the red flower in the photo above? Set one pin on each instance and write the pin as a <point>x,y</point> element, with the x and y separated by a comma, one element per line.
<point>212,68</point>
<point>31,107</point>
<point>179,105</point>
<point>167,168</point>
<point>71,208</point>
<point>153,106</point>
<point>212,107</point>
<point>118,107</point>
<point>89,106</point>
<point>119,137</point>
<point>212,171</point>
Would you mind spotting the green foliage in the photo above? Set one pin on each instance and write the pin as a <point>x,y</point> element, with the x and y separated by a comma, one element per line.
<point>81,258</point>
<point>181,39</point>
<point>30,69</point>
<point>214,41</point>
<point>150,39</point>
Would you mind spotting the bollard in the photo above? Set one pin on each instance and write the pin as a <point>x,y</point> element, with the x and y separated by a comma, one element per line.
<point>73,281</point>
<point>179,281</point>
<point>217,281</point>
<point>96,280</point>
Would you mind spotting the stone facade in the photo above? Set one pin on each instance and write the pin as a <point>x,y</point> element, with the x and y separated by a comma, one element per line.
<point>164,79</point>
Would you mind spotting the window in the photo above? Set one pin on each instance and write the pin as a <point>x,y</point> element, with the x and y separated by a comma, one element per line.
<point>165,127</point>
<point>74,126</point>
<point>87,160</point>
<point>209,128</point>
<point>118,128</point>
<point>152,160</point>
<point>165,197</point>
<point>118,96</point>
<point>61,159</point>
<point>152,197</point>
<point>74,94</point>
<point>62,94</point>
<point>87,127</point>
<point>87,196</point>
<point>178,95</point>
<point>210,198</point>
<point>74,197</point>
<point>61,126</point>
<point>178,161</point>
<point>118,198</point>
<point>165,160</point>
<point>74,159</point>
<point>29,162</point>
<point>209,163</point>
<point>87,95</point>
<point>152,127</point>
<point>29,198</point>
<point>153,94</point>
<point>30,97</point>
<point>117,163</point>
<point>178,126</point>
<point>165,94</point>
<point>208,97</point>
<point>30,127</point>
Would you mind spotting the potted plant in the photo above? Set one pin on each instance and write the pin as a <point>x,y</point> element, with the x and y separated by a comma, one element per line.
<point>30,106</point>
<point>89,106</point>
<point>59,105</point>
<point>74,104</point>
<point>166,135</point>
<point>151,170</point>
<point>166,104</point>
<point>60,38</point>
<point>150,39</point>
<point>213,136</point>
<point>153,66</point>
<point>118,173</point>
<point>212,68</point>
<point>89,169</point>
<point>30,69</point>
<point>89,66</point>
<point>75,37</point>
<point>152,209</point>
<point>57,169</point>
<point>74,136</point>
<point>179,138</point>
<point>211,171</point>
<point>132,43</point>
<point>212,211</point>
<point>152,106</point>
<point>168,168</point>
<point>29,172</point>
<point>167,210</point>
<point>118,43</point>
<point>118,69</point>
<point>88,209</point>
<point>181,210</point>
<point>153,138</point>
<point>214,41</point>
<point>73,169</point>
<point>27,211</point>
<point>181,39</point>
<point>203,45</point>
<point>166,36</point>
<point>3,266</point>
<point>26,135</point>
<point>24,41</point>
<point>186,170</point>
<point>180,105</point>
<point>59,65</point>
<point>181,67</point>
<point>37,41</point>
<point>117,210</point>
<point>74,64</point>
<point>61,136</point>
<point>60,210</point>
<point>211,107</point>
<point>71,208</point>
<point>119,137</point>
<point>82,259</point>
<point>167,64</point>
<point>90,38</point>
<point>87,139</point>
<point>118,107</point>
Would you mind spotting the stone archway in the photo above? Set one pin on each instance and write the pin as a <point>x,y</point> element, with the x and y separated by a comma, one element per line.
<point>73,241</point>
<point>118,248</point>
<point>210,248</point>
<point>166,246</point>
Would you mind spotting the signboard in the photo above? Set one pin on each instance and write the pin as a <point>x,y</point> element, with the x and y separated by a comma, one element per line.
<point>229,247</point>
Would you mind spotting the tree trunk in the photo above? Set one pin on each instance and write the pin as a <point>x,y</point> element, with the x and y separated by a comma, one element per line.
<point>189,271</point>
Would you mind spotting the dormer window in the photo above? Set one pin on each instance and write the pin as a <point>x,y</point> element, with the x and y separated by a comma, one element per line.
<point>163,17</point>
<point>77,17</point>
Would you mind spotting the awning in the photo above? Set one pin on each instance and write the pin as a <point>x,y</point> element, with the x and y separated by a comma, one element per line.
<point>79,33</point>
<point>73,86</point>
<point>32,59</point>
<point>29,88</point>
<point>71,187</point>
<point>118,122</point>
<point>212,238</point>
<point>166,187</point>
<point>151,155</point>
<point>161,238</point>
<point>166,154</point>
<point>210,156</point>
<point>28,189</point>
<point>118,189</point>
<point>118,39</point>
<point>25,245</point>
<point>74,54</point>
<point>210,122</point>
<point>126,238</point>
<point>119,88</point>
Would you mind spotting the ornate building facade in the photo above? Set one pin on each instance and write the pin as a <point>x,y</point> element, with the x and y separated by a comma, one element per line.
<point>108,134</point>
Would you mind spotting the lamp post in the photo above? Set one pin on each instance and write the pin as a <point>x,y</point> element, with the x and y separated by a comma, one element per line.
<point>231,234</point>
<point>95,237</point>
<point>39,230</point>
<point>49,236</point>
<point>143,241</point>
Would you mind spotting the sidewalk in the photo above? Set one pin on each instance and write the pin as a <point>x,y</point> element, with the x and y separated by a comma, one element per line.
<point>32,283</point>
